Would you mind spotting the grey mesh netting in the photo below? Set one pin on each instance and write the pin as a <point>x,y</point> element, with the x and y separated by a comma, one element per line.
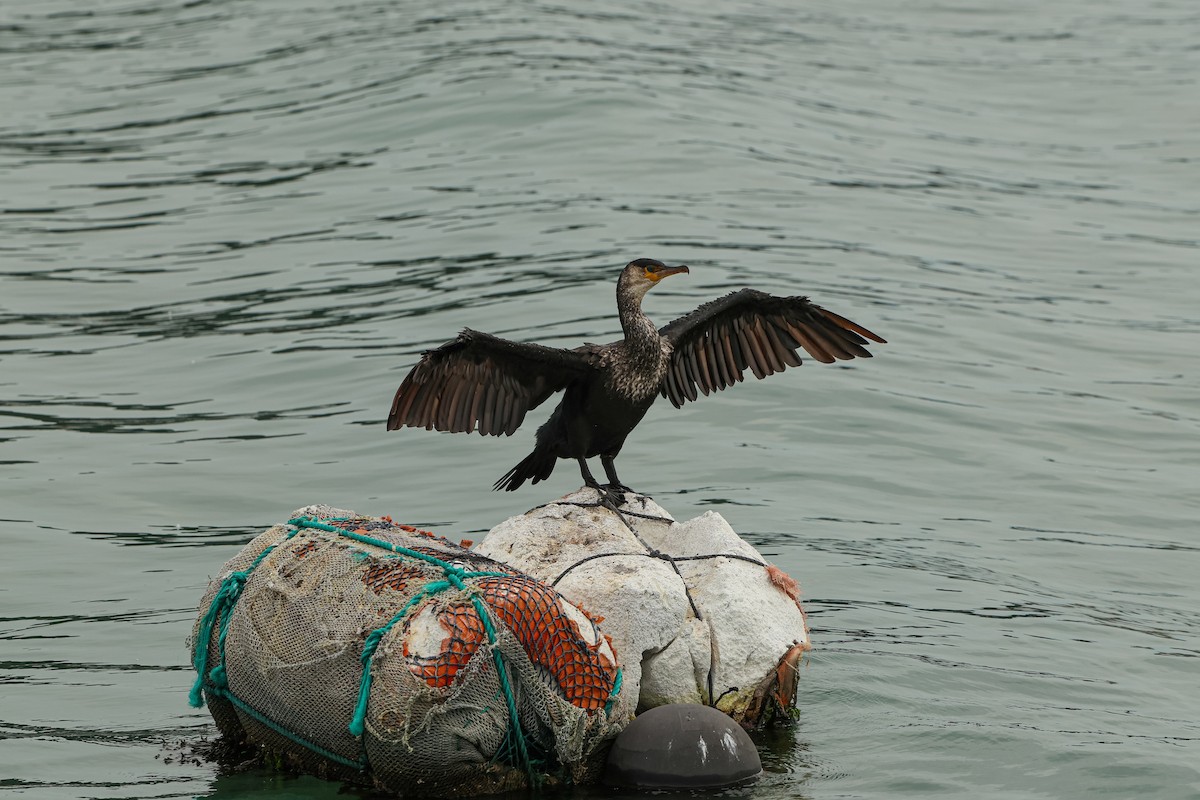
<point>360,649</point>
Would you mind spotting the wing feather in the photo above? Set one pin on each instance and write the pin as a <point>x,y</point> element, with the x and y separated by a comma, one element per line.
<point>675,384</point>
<point>828,344</point>
<point>731,354</point>
<point>789,344</point>
<point>811,345</point>
<point>489,408</point>
<point>477,394</point>
<point>510,416</point>
<point>685,380</point>
<point>780,341</point>
<point>735,348</point>
<point>462,420</point>
<point>449,417</point>
<point>848,325</point>
<point>422,403</point>
<point>706,373</point>
<point>741,339</point>
<point>758,361</point>
<point>764,341</point>
<point>714,345</point>
<point>717,353</point>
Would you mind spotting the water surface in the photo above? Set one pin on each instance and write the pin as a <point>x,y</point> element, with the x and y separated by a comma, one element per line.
<point>227,229</point>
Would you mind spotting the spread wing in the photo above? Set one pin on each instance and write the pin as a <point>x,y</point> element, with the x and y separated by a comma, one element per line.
<point>755,330</point>
<point>480,381</point>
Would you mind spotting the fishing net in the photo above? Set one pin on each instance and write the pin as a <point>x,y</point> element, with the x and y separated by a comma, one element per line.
<point>357,648</point>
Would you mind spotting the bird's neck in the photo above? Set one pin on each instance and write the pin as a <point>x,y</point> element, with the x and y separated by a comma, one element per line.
<point>637,364</point>
<point>640,333</point>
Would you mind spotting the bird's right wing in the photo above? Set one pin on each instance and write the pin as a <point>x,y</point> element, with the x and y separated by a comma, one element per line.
<point>482,382</point>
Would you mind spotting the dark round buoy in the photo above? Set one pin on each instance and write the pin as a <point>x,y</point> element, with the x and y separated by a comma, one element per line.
<point>682,747</point>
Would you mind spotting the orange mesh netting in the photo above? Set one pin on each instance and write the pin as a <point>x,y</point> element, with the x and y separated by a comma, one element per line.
<point>466,635</point>
<point>532,611</point>
<point>553,640</point>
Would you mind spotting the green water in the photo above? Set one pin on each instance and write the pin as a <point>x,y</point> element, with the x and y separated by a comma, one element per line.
<point>227,229</point>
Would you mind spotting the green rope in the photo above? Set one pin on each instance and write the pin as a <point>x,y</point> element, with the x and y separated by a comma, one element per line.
<point>509,699</point>
<point>309,522</point>
<point>220,608</point>
<point>616,690</point>
<point>361,764</point>
<point>359,719</point>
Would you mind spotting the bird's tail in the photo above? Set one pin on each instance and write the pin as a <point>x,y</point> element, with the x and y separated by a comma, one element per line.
<point>535,467</point>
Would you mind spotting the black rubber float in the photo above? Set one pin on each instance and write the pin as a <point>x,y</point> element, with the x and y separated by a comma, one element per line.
<point>682,747</point>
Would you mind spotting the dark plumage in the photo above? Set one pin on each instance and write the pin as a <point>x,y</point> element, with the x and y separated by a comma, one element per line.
<point>484,383</point>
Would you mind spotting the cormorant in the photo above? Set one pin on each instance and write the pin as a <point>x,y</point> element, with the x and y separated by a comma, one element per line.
<point>485,383</point>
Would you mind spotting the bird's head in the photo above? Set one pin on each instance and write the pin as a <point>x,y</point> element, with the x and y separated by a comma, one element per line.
<point>639,276</point>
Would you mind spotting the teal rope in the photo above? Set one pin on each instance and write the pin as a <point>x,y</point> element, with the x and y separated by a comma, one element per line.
<point>309,522</point>
<point>358,720</point>
<point>361,764</point>
<point>509,699</point>
<point>446,566</point>
<point>220,608</point>
<point>230,587</point>
<point>616,690</point>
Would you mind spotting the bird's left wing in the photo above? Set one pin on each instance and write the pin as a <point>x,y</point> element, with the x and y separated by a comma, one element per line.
<point>753,330</point>
<point>482,382</point>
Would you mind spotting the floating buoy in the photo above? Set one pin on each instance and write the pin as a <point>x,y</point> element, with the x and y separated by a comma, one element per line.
<point>680,592</point>
<point>361,649</point>
<point>682,746</point>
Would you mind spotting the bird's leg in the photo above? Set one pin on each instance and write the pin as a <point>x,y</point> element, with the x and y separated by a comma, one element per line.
<point>610,469</point>
<point>615,489</point>
<point>588,478</point>
<point>610,495</point>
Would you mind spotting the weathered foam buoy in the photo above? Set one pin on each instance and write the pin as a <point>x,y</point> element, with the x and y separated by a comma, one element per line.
<point>714,622</point>
<point>682,746</point>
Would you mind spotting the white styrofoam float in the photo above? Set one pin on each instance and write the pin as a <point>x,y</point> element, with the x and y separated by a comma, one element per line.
<point>736,643</point>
